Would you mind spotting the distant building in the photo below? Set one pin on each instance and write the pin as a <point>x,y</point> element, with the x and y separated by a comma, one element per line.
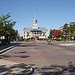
<point>35,32</point>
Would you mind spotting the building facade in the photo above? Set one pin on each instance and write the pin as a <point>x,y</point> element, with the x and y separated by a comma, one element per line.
<point>35,32</point>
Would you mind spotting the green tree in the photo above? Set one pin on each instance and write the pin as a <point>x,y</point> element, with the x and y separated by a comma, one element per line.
<point>68,31</point>
<point>65,31</point>
<point>6,28</point>
<point>72,29</point>
<point>50,34</point>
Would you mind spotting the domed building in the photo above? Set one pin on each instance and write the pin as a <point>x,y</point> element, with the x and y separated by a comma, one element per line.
<point>35,32</point>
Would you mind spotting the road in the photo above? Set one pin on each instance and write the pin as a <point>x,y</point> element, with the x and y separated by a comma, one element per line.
<point>41,54</point>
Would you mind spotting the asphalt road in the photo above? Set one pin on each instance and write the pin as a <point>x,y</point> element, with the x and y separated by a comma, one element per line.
<point>41,54</point>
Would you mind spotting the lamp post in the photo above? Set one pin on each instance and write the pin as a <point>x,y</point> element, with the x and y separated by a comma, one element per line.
<point>24,32</point>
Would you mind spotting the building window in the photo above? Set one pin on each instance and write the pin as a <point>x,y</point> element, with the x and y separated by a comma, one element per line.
<point>43,34</point>
<point>24,32</point>
<point>27,33</point>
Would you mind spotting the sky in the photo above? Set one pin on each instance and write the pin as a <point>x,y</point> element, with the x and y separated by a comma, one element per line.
<point>51,14</point>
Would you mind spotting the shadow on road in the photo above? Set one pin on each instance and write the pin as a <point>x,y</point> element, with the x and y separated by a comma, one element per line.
<point>26,45</point>
<point>17,69</point>
<point>30,69</point>
<point>8,45</point>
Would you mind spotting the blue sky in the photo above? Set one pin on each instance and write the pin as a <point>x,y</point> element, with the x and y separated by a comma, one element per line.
<point>49,13</point>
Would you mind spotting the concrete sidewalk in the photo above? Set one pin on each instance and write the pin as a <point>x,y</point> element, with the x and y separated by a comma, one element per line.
<point>67,44</point>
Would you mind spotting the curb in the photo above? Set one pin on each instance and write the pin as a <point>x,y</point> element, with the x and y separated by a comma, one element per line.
<point>6,49</point>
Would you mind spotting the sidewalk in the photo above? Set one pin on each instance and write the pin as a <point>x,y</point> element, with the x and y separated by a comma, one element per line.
<point>67,44</point>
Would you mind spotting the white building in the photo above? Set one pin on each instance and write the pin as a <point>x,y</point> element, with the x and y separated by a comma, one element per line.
<point>35,32</point>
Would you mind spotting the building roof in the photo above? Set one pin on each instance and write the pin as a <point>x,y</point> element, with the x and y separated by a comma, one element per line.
<point>43,29</point>
<point>36,30</point>
<point>40,29</point>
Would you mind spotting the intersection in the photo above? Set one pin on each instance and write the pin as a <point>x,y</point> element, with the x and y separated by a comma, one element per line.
<point>40,54</point>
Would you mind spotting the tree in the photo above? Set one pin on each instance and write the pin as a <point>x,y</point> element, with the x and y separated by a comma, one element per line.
<point>57,34</point>
<point>73,33</point>
<point>68,30</point>
<point>65,31</point>
<point>6,28</point>
<point>73,30</point>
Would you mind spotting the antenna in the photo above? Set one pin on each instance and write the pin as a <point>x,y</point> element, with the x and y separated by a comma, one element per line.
<point>35,12</point>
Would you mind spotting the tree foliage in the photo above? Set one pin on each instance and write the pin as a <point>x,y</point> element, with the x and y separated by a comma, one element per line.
<point>69,29</point>
<point>57,34</point>
<point>6,27</point>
